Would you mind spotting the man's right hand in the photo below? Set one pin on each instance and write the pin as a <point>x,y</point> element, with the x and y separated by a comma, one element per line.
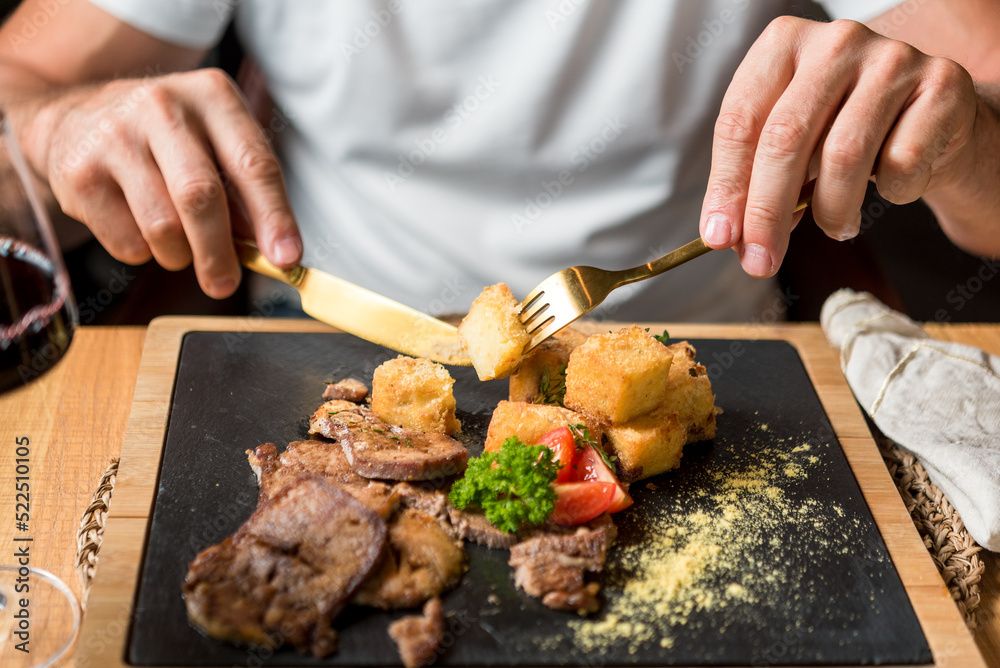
<point>166,167</point>
<point>146,163</point>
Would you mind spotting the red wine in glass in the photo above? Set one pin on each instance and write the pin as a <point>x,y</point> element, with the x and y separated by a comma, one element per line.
<point>36,320</point>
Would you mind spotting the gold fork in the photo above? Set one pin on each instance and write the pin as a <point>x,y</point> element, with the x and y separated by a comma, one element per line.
<point>570,293</point>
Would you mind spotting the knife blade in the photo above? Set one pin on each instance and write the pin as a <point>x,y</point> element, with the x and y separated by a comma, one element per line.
<point>363,313</point>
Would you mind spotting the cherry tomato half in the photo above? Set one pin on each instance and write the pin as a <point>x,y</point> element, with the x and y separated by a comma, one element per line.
<point>589,465</point>
<point>563,446</point>
<point>579,502</point>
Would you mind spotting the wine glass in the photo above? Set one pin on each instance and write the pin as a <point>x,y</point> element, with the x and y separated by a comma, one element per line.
<point>39,615</point>
<point>37,312</point>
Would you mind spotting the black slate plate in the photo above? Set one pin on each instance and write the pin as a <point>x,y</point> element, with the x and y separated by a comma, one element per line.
<point>803,580</point>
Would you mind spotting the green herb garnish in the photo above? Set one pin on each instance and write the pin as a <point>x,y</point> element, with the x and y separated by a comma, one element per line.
<point>581,434</point>
<point>551,387</point>
<point>662,338</point>
<point>583,439</point>
<point>517,491</point>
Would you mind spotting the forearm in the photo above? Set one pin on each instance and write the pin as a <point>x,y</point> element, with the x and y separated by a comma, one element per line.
<point>25,97</point>
<point>967,202</point>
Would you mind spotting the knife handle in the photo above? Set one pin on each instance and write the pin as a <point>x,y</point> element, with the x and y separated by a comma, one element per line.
<point>251,258</point>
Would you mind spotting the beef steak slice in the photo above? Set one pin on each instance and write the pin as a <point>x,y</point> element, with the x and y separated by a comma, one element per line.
<point>469,524</point>
<point>421,561</point>
<point>553,566</point>
<point>418,637</point>
<point>320,458</point>
<point>348,389</point>
<point>288,571</point>
<point>376,449</point>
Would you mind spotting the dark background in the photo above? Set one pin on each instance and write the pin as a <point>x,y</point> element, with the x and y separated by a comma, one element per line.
<point>901,256</point>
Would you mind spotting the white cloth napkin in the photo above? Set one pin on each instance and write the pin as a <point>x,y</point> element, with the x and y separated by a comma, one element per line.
<point>939,400</point>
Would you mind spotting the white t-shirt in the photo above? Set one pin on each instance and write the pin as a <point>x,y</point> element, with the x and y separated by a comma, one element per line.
<point>434,147</point>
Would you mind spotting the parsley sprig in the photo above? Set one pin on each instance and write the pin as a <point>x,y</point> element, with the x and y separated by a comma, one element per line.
<point>517,491</point>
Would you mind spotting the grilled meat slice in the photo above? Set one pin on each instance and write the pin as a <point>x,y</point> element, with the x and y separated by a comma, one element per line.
<point>317,457</point>
<point>553,566</point>
<point>470,525</point>
<point>288,571</point>
<point>320,458</point>
<point>348,389</point>
<point>379,450</point>
<point>420,561</point>
<point>418,637</point>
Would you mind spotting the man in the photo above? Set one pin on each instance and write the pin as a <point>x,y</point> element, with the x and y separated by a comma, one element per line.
<point>431,148</point>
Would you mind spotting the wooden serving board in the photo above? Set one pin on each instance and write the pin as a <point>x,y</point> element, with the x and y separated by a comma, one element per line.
<point>757,641</point>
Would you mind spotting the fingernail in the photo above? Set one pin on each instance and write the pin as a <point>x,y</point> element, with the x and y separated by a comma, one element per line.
<point>224,287</point>
<point>287,250</point>
<point>718,231</point>
<point>757,261</point>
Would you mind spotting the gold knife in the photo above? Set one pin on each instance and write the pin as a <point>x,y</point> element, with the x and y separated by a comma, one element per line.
<point>363,313</point>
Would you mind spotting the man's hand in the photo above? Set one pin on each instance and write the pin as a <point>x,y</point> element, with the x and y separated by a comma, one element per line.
<point>146,164</point>
<point>838,102</point>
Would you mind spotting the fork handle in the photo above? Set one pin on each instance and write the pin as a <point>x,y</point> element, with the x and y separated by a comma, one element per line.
<point>696,248</point>
<point>251,258</point>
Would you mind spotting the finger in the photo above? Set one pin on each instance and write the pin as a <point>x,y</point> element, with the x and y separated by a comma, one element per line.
<point>151,207</point>
<point>852,145</point>
<point>747,103</point>
<point>781,163</point>
<point>242,229</point>
<point>196,192</point>
<point>110,219</point>
<point>927,133</point>
<point>245,156</point>
<point>88,193</point>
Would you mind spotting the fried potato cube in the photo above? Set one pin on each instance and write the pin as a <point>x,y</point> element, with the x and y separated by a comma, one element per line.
<point>689,394</point>
<point>415,393</point>
<point>493,334</point>
<point>529,422</point>
<point>647,445</point>
<point>547,361</point>
<point>618,375</point>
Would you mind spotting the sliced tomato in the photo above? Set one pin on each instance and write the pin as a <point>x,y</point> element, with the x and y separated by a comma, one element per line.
<point>579,502</point>
<point>589,465</point>
<point>563,446</point>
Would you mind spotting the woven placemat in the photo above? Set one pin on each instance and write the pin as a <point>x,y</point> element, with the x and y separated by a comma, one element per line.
<point>954,551</point>
<point>91,531</point>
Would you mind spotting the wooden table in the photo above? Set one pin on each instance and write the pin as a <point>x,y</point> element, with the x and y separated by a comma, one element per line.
<point>76,418</point>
